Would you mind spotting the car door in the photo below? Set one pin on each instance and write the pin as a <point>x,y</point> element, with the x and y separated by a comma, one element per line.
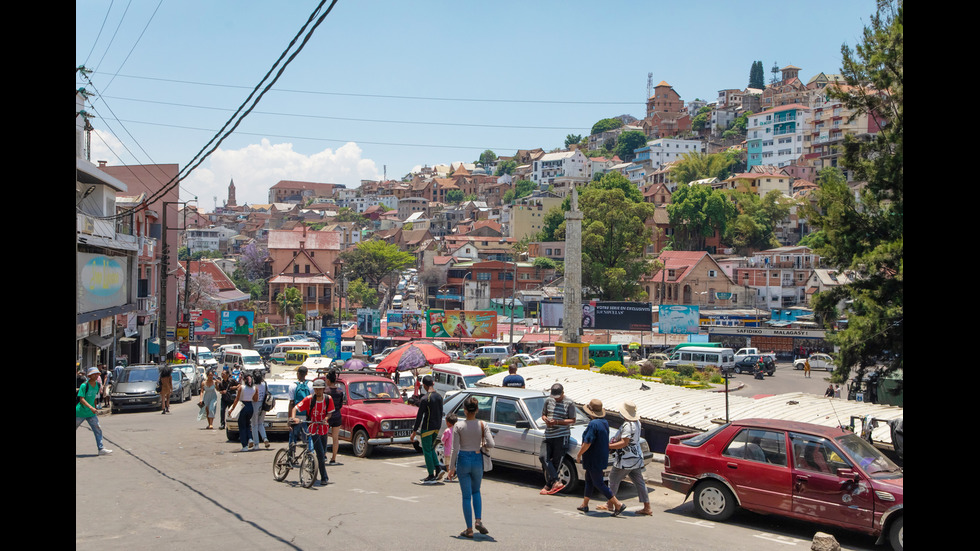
<point>756,465</point>
<point>820,492</point>
<point>511,444</point>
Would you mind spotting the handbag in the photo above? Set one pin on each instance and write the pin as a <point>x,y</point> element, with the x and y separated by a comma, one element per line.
<point>487,462</point>
<point>269,401</point>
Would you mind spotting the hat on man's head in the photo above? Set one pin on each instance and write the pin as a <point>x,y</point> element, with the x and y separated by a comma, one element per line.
<point>594,408</point>
<point>319,383</point>
<point>91,371</point>
<point>557,389</point>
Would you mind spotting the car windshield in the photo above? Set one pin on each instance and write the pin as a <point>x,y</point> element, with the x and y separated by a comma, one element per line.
<point>279,390</point>
<point>189,369</point>
<point>472,379</point>
<point>205,356</point>
<point>251,360</point>
<point>536,406</point>
<point>366,390</point>
<point>875,463</point>
<point>139,375</point>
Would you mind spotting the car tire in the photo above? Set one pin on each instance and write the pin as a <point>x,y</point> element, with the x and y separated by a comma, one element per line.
<point>360,443</point>
<point>713,501</point>
<point>231,436</point>
<point>568,475</point>
<point>441,454</point>
<point>895,534</point>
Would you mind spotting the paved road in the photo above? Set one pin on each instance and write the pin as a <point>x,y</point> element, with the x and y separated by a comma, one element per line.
<point>170,483</point>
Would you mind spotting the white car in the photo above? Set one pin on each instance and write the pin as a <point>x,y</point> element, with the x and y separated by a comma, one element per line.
<point>817,361</point>
<point>276,421</point>
<point>381,355</point>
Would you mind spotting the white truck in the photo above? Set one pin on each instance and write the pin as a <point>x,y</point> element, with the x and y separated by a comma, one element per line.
<point>743,352</point>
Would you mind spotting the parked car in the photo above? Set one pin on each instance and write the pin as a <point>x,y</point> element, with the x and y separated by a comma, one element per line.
<point>194,378</point>
<point>277,420</point>
<point>658,356</point>
<point>799,470</point>
<point>514,416</point>
<point>182,386</point>
<point>373,413</point>
<point>135,387</point>
<point>749,364</point>
<point>381,355</point>
<point>817,361</point>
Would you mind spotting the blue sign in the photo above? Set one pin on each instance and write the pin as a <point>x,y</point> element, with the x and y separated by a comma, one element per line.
<point>330,342</point>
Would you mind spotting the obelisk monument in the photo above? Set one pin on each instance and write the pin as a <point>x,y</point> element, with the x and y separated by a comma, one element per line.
<point>572,315</point>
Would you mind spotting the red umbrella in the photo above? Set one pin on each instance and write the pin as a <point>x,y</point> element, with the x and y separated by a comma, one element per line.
<point>413,355</point>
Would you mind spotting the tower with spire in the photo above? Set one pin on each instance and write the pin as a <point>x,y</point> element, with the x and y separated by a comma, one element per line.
<point>231,194</point>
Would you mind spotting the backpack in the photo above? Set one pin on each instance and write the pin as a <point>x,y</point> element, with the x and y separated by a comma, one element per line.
<point>269,402</point>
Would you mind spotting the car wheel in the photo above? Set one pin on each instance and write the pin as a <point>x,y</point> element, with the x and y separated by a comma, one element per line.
<point>360,443</point>
<point>440,454</point>
<point>895,534</point>
<point>738,370</point>
<point>281,465</point>
<point>232,436</point>
<point>713,501</point>
<point>567,475</point>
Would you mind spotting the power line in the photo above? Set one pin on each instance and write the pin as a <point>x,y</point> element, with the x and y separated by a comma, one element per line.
<point>389,96</point>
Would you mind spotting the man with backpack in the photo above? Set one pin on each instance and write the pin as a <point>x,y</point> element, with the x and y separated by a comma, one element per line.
<point>299,391</point>
<point>85,407</point>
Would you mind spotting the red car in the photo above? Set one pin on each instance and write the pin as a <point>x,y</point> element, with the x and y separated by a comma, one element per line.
<point>798,470</point>
<point>373,413</point>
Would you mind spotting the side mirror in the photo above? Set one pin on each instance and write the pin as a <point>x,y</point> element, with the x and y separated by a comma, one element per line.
<point>850,474</point>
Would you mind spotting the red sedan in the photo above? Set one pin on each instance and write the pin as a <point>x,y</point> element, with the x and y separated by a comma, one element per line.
<point>798,470</point>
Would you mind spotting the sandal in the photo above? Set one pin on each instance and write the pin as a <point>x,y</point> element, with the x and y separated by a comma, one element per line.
<point>644,513</point>
<point>463,534</point>
<point>481,528</point>
<point>619,511</point>
<point>585,508</point>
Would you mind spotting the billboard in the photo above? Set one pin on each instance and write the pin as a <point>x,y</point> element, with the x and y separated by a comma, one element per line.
<point>330,342</point>
<point>235,322</point>
<point>103,281</point>
<point>205,322</point>
<point>406,323</point>
<point>368,321</point>
<point>680,319</point>
<point>615,316</point>
<point>465,324</point>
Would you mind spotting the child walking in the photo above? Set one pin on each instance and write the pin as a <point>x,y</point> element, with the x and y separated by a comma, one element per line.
<point>447,442</point>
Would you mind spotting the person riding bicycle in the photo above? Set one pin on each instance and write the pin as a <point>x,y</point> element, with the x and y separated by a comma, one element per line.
<point>317,407</point>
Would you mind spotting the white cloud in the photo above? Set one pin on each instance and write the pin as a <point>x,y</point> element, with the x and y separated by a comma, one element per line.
<point>257,167</point>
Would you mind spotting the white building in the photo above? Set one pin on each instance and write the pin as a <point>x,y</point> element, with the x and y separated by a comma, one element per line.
<point>571,164</point>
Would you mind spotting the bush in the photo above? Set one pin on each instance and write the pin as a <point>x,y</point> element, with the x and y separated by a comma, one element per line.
<point>669,377</point>
<point>614,368</point>
<point>493,370</point>
<point>687,370</point>
<point>484,363</point>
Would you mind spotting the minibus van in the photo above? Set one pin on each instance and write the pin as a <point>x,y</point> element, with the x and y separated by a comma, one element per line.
<point>453,376</point>
<point>602,354</point>
<point>702,357</point>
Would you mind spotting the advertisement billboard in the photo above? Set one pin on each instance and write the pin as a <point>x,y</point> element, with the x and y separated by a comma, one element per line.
<point>103,281</point>
<point>205,322</point>
<point>680,319</point>
<point>235,322</point>
<point>330,342</point>
<point>368,321</point>
<point>615,316</point>
<point>406,323</point>
<point>465,324</point>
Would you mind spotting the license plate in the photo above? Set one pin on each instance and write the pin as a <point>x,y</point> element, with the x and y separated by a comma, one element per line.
<point>402,433</point>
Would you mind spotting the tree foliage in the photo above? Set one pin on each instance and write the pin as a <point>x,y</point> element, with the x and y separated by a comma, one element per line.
<point>628,142</point>
<point>698,166</point>
<point>374,260</point>
<point>360,293</point>
<point>865,235</point>
<point>605,125</point>
<point>454,196</point>
<point>487,158</point>
<point>572,139</point>
<point>754,228</point>
<point>290,302</point>
<point>506,167</point>
<point>757,76</point>
<point>696,213</point>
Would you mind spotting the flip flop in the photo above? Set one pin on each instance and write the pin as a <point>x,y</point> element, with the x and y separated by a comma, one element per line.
<point>644,513</point>
<point>556,488</point>
<point>619,511</point>
<point>481,528</point>
<point>584,508</point>
<point>463,534</point>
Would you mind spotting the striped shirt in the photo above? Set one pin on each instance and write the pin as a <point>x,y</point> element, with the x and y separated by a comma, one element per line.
<point>557,411</point>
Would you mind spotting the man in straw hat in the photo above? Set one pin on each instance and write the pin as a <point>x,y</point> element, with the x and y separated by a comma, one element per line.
<point>629,457</point>
<point>594,457</point>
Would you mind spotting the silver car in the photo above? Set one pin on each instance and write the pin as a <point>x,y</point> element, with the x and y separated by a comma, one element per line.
<point>514,416</point>
<point>135,387</point>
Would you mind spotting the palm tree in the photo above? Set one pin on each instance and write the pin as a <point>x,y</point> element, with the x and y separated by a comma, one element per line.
<point>290,303</point>
<point>698,166</point>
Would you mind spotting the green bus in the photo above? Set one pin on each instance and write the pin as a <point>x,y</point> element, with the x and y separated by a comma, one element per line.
<point>602,354</point>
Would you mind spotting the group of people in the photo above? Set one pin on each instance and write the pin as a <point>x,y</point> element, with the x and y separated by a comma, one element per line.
<point>467,444</point>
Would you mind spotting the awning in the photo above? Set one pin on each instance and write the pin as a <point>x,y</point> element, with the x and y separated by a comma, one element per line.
<point>100,342</point>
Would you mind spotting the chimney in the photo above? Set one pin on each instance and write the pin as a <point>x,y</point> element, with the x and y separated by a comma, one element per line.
<point>103,163</point>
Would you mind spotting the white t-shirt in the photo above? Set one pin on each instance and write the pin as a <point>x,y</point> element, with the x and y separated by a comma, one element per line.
<point>631,456</point>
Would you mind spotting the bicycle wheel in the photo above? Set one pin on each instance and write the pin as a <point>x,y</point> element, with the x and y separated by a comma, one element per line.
<point>281,465</point>
<point>307,470</point>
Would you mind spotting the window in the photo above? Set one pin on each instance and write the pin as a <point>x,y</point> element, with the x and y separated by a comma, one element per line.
<point>816,454</point>
<point>507,412</point>
<point>484,412</point>
<point>764,446</point>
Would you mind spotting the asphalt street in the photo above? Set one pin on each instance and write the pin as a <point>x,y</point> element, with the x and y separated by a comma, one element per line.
<point>170,483</point>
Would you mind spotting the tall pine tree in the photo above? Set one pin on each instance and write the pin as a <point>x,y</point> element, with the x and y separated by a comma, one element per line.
<point>757,76</point>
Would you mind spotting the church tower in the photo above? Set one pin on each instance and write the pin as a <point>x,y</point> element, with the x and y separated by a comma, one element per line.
<point>231,195</point>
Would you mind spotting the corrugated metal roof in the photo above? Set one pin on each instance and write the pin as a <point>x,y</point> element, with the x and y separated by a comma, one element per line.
<point>692,410</point>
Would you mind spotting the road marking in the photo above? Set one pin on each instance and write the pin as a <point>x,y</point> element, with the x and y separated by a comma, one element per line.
<point>413,463</point>
<point>409,499</point>
<point>778,539</point>
<point>701,523</point>
<point>360,491</point>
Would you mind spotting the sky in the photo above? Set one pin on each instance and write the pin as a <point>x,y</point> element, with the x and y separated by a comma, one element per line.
<point>383,87</point>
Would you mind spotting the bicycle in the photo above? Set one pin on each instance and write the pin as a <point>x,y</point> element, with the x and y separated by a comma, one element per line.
<point>299,455</point>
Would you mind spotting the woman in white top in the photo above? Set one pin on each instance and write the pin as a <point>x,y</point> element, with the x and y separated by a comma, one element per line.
<point>258,416</point>
<point>466,462</point>
<point>630,461</point>
<point>246,395</point>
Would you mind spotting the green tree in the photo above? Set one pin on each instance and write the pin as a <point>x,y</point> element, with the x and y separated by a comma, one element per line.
<point>506,167</point>
<point>553,225</point>
<point>698,166</point>
<point>605,125</point>
<point>374,260</point>
<point>757,76</point>
<point>697,212</point>
<point>614,240</point>
<point>572,139</point>
<point>615,180</point>
<point>359,292</point>
<point>628,142</point>
<point>754,228</point>
<point>866,235</point>
<point>290,302</point>
<point>454,196</point>
<point>487,158</point>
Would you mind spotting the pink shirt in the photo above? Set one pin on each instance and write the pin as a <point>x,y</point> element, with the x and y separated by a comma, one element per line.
<point>447,441</point>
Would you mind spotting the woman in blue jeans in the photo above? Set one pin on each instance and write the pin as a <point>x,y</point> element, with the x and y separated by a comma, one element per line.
<point>246,395</point>
<point>466,462</point>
